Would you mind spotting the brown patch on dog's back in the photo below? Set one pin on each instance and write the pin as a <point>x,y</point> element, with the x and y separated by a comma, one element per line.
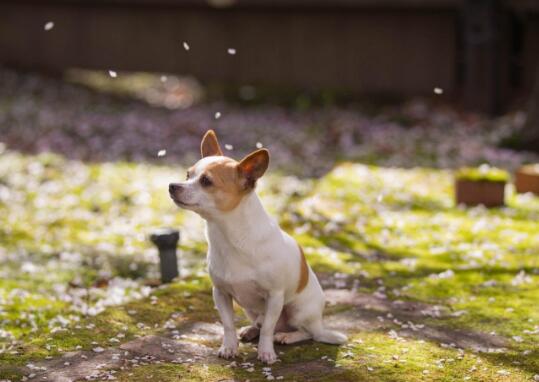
<point>303,272</point>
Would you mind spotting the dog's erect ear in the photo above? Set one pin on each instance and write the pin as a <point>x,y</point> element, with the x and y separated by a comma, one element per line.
<point>210,145</point>
<point>253,166</point>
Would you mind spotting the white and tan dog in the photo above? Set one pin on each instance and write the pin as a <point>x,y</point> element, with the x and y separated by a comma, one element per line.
<point>250,259</point>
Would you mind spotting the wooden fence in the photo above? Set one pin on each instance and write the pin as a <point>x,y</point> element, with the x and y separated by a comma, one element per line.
<point>482,53</point>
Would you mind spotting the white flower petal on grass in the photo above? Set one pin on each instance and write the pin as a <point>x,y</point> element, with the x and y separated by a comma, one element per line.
<point>438,90</point>
<point>521,278</point>
<point>231,51</point>
<point>186,45</point>
<point>113,74</point>
<point>161,153</point>
<point>229,147</point>
<point>217,115</point>
<point>443,275</point>
<point>48,25</point>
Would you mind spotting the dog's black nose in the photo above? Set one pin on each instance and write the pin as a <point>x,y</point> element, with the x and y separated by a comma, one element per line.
<point>173,187</point>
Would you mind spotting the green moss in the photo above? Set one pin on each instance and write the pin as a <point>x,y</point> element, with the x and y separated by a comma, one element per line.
<point>483,173</point>
<point>393,231</point>
<point>189,300</point>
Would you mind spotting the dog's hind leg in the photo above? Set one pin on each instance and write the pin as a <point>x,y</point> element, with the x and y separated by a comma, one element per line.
<point>251,332</point>
<point>291,337</point>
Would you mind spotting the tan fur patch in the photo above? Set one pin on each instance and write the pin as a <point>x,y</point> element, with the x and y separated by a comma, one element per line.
<point>227,189</point>
<point>303,273</point>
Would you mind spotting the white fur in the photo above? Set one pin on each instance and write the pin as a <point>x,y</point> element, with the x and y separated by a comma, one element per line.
<point>252,261</point>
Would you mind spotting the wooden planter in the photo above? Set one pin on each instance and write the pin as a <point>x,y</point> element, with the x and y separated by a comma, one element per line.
<point>527,179</point>
<point>476,192</point>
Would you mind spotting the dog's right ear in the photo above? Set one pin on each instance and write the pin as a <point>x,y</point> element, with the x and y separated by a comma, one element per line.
<point>210,145</point>
<point>253,166</point>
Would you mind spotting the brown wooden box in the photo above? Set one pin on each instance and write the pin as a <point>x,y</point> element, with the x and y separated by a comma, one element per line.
<point>473,193</point>
<point>527,179</point>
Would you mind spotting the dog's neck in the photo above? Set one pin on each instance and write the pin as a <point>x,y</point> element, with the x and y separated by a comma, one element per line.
<point>245,226</point>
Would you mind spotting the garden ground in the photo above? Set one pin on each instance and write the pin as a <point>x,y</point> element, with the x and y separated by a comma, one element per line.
<point>426,290</point>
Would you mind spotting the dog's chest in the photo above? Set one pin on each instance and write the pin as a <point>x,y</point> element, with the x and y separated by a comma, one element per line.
<point>247,293</point>
<point>239,279</point>
<point>245,290</point>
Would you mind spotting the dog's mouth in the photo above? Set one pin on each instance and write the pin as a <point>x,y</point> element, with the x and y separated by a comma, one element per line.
<point>179,203</point>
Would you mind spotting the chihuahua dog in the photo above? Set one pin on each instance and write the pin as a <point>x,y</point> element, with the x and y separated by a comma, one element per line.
<point>250,259</point>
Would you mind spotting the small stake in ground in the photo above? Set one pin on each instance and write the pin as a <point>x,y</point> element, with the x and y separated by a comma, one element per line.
<point>166,240</point>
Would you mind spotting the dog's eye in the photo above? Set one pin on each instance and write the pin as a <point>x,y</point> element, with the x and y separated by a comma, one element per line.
<point>205,181</point>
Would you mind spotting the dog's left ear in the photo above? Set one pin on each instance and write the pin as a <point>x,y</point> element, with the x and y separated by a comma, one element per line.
<point>253,166</point>
<point>210,145</point>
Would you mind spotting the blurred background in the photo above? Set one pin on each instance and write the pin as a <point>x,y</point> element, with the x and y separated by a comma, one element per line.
<point>135,74</point>
<point>367,107</point>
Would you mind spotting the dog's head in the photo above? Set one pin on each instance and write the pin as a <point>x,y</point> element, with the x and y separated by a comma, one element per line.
<point>216,183</point>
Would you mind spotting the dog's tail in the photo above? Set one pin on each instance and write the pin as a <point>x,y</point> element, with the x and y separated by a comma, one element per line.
<point>327,336</point>
<point>331,337</point>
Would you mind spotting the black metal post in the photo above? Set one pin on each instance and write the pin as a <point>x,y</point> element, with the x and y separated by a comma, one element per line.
<point>166,240</point>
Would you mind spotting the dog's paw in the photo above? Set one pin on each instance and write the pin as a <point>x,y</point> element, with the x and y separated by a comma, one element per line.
<point>227,352</point>
<point>268,357</point>
<point>281,338</point>
<point>249,333</point>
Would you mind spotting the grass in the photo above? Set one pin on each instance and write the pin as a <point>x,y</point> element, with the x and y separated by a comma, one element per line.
<point>75,255</point>
<point>483,173</point>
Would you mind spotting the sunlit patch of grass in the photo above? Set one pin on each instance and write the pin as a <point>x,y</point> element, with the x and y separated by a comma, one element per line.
<point>369,356</point>
<point>374,357</point>
<point>173,372</point>
<point>68,225</point>
<point>481,264</point>
<point>186,301</point>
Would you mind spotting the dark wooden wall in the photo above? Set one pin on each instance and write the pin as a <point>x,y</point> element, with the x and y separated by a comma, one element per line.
<point>374,50</point>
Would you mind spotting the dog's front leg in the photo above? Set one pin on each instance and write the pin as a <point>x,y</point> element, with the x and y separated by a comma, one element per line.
<point>274,307</point>
<point>223,302</point>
